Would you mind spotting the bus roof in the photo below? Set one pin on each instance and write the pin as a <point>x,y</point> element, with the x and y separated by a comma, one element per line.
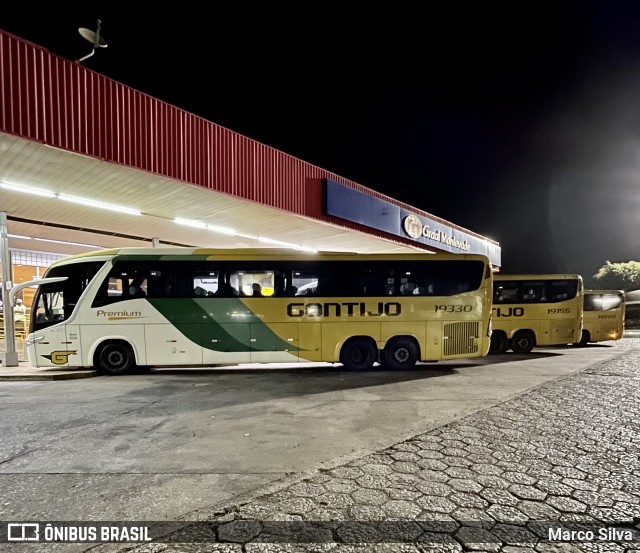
<point>258,254</point>
<point>541,276</point>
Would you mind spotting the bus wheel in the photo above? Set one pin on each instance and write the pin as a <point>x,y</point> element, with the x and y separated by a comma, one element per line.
<point>523,341</point>
<point>400,354</point>
<point>115,358</point>
<point>499,343</point>
<point>358,354</point>
<point>585,338</point>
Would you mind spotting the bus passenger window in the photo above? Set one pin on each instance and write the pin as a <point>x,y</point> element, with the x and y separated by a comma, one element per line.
<point>137,287</point>
<point>290,291</point>
<point>199,291</point>
<point>408,288</point>
<point>206,283</point>
<point>256,290</point>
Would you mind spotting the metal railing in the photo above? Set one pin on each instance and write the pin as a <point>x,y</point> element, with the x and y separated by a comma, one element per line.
<point>21,330</point>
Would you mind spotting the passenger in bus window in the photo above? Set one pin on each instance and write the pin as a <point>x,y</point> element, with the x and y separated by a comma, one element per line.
<point>135,289</point>
<point>407,289</point>
<point>424,290</point>
<point>256,290</point>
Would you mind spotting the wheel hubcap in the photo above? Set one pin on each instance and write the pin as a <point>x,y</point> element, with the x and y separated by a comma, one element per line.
<point>115,359</point>
<point>401,355</point>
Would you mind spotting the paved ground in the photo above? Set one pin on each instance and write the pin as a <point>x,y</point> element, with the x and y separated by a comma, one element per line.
<point>519,476</point>
<point>561,455</point>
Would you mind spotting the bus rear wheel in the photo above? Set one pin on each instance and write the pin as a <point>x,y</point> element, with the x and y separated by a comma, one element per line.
<point>499,343</point>
<point>400,354</point>
<point>358,354</point>
<point>585,338</point>
<point>523,341</point>
<point>116,358</point>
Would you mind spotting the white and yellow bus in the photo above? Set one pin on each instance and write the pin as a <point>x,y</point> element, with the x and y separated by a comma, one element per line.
<point>604,312</point>
<point>536,310</point>
<point>119,310</point>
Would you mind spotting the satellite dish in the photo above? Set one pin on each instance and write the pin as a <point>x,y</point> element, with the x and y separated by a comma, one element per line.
<point>94,38</point>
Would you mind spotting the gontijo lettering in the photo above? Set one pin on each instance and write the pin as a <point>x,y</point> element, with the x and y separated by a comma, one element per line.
<point>347,309</point>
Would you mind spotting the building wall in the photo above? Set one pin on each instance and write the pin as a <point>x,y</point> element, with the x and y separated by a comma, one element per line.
<point>55,101</point>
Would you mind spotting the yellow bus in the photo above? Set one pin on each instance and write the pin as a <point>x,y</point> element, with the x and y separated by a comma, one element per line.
<point>123,309</point>
<point>536,310</point>
<point>604,312</point>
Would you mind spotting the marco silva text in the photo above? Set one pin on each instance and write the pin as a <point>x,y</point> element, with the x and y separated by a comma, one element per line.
<point>600,534</point>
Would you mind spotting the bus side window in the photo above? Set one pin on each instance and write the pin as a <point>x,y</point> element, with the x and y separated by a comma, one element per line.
<point>157,285</point>
<point>111,290</point>
<point>138,287</point>
<point>206,283</point>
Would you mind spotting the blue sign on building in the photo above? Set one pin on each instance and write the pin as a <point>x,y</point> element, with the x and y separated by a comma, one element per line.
<point>358,207</point>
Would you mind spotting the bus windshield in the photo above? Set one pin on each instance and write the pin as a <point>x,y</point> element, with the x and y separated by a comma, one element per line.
<point>54,302</point>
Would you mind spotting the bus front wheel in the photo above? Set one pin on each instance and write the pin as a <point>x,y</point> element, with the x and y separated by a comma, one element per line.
<point>400,354</point>
<point>116,358</point>
<point>499,343</point>
<point>358,354</point>
<point>523,341</point>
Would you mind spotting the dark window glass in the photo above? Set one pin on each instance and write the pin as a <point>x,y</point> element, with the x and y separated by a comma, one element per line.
<point>533,291</point>
<point>135,279</point>
<point>256,282</point>
<point>438,278</point>
<point>56,301</point>
<point>370,278</point>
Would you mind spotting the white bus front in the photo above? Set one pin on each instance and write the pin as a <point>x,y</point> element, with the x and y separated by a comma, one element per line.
<point>54,341</point>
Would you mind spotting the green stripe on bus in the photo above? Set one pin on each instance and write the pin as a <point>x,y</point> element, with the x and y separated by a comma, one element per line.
<point>225,329</point>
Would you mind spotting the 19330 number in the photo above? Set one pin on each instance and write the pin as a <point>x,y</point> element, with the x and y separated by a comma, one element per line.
<point>454,308</point>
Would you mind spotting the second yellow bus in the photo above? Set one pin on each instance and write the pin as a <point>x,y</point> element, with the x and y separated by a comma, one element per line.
<point>536,310</point>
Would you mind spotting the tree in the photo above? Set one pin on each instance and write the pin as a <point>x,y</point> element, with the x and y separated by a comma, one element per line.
<point>618,276</point>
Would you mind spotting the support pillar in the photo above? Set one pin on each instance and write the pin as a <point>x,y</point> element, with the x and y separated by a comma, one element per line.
<point>9,358</point>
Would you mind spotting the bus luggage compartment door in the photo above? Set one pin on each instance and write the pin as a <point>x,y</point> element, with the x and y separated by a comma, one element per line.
<point>274,343</point>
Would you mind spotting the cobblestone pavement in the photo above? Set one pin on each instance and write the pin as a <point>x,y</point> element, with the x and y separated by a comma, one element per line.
<point>561,458</point>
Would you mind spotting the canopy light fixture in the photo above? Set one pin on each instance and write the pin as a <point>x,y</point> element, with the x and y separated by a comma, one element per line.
<point>222,230</point>
<point>231,232</point>
<point>27,190</point>
<point>23,237</point>
<point>285,244</point>
<point>250,236</point>
<point>67,198</point>
<point>70,243</point>
<point>190,223</point>
<point>100,205</point>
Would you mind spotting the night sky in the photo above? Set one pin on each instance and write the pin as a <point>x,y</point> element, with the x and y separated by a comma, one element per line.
<point>519,121</point>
